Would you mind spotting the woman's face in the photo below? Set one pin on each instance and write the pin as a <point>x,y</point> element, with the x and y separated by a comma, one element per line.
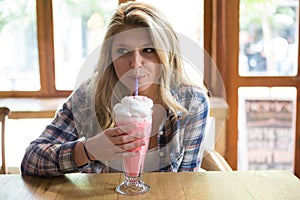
<point>134,57</point>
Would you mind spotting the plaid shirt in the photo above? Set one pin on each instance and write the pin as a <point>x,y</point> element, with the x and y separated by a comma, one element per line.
<point>180,139</point>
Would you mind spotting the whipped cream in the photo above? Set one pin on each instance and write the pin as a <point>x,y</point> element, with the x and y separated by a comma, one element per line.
<point>134,106</point>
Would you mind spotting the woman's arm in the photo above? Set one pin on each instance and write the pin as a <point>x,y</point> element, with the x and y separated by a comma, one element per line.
<point>58,150</point>
<point>194,127</point>
<point>81,155</point>
<point>52,153</point>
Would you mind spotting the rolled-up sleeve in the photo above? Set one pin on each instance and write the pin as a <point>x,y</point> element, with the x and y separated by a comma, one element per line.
<point>52,153</point>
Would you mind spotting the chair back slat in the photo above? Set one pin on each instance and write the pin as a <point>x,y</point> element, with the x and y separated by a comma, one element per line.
<point>4,111</point>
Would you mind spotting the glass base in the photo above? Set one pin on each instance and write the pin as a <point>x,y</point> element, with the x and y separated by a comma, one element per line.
<point>132,186</point>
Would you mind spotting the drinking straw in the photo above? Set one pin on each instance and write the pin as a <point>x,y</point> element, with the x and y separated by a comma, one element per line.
<point>136,86</point>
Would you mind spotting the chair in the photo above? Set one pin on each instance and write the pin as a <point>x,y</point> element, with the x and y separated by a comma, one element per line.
<point>212,160</point>
<point>4,111</point>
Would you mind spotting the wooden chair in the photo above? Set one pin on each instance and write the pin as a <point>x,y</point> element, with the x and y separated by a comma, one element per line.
<point>4,111</point>
<point>213,161</point>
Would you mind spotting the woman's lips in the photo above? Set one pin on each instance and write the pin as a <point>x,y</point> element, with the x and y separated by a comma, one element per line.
<point>137,77</point>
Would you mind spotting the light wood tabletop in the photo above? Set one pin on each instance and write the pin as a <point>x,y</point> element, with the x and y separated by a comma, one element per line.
<point>269,185</point>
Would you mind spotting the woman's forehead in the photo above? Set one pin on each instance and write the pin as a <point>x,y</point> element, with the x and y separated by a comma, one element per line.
<point>132,37</point>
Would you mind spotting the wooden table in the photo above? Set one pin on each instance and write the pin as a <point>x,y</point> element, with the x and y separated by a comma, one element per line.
<point>241,185</point>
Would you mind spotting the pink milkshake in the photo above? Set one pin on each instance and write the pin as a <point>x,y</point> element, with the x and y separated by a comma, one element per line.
<point>137,110</point>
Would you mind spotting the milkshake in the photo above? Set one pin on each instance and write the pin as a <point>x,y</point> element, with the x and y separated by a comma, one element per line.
<point>137,110</point>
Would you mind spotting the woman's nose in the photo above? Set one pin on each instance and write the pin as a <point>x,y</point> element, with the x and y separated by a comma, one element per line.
<point>136,59</point>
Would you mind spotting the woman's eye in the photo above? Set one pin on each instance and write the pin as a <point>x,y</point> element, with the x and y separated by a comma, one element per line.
<point>148,50</point>
<point>122,51</point>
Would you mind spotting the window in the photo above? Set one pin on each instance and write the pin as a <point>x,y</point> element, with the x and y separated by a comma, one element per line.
<point>241,79</point>
<point>44,40</point>
<point>267,115</point>
<point>267,119</point>
<point>268,39</point>
<point>78,29</point>
<point>19,67</point>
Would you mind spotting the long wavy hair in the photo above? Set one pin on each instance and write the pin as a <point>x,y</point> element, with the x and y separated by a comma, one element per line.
<point>139,15</point>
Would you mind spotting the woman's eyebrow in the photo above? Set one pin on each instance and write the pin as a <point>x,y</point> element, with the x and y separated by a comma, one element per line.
<point>121,44</point>
<point>148,44</point>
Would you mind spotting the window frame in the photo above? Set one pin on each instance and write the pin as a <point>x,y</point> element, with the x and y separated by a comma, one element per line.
<point>230,10</point>
<point>45,55</point>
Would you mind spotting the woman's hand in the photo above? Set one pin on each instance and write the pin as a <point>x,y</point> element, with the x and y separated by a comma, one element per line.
<point>114,143</point>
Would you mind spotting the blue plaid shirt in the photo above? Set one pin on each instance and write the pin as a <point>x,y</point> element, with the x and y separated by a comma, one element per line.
<point>180,139</point>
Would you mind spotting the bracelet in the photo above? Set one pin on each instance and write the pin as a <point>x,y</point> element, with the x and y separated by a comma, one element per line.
<point>86,153</point>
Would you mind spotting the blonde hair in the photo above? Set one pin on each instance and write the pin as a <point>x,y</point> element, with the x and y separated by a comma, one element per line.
<point>165,41</point>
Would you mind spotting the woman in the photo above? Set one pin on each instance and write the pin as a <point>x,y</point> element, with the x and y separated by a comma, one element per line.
<point>139,44</point>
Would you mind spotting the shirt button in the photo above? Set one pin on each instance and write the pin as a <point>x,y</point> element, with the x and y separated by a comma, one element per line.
<point>161,154</point>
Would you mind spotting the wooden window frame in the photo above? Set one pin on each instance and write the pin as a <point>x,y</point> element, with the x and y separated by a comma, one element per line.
<point>224,50</point>
<point>46,56</point>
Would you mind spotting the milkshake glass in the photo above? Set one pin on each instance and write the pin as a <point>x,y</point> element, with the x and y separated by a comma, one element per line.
<point>135,110</point>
